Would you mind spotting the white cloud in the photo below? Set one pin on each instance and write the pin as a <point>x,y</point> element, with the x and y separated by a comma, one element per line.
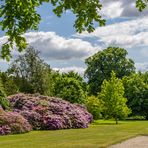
<point>122,8</point>
<point>79,70</point>
<point>55,47</point>
<point>112,9</point>
<point>126,34</point>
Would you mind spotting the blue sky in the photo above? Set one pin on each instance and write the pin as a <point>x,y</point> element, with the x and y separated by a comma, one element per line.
<point>66,50</point>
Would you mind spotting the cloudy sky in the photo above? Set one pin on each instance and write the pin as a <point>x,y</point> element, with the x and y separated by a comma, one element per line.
<point>64,49</point>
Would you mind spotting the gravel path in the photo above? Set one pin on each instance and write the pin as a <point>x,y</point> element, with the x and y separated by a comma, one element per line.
<point>137,142</point>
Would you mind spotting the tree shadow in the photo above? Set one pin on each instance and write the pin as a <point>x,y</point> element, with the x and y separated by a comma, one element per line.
<point>106,123</point>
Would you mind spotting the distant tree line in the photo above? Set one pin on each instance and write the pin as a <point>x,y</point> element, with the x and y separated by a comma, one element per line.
<point>114,88</point>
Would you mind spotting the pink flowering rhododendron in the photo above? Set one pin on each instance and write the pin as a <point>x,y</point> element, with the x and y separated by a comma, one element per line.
<point>41,113</point>
<point>13,123</point>
<point>49,113</point>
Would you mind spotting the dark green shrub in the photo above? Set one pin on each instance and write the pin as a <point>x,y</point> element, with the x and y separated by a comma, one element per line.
<point>3,101</point>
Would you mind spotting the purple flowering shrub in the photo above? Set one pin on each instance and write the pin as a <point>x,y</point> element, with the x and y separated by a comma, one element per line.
<point>49,113</point>
<point>13,123</point>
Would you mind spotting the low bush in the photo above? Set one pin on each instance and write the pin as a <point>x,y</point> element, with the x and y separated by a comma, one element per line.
<point>49,113</point>
<point>13,123</point>
<point>136,118</point>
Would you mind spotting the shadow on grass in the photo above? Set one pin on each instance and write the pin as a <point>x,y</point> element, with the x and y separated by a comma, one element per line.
<point>106,122</point>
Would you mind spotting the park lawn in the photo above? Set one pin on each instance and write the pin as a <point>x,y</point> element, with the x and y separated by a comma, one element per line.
<point>99,134</point>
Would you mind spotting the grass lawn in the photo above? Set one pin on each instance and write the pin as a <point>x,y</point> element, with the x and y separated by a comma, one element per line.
<point>99,134</point>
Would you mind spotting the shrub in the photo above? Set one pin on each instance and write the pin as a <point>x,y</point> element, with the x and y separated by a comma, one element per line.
<point>94,106</point>
<point>12,123</point>
<point>50,113</point>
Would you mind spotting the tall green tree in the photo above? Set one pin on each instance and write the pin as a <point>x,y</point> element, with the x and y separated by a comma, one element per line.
<point>71,87</point>
<point>31,73</point>
<point>100,65</point>
<point>112,96</point>
<point>136,91</point>
<point>19,16</point>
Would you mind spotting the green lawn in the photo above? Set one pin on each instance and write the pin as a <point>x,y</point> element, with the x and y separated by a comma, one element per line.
<point>99,134</point>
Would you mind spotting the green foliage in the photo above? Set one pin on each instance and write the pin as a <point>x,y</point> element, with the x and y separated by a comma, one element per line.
<point>141,4</point>
<point>9,84</point>
<point>144,76</point>
<point>31,74</point>
<point>100,65</point>
<point>76,76</point>
<point>112,95</point>
<point>70,87</point>
<point>3,101</point>
<point>136,118</point>
<point>94,106</point>
<point>19,16</point>
<point>136,91</point>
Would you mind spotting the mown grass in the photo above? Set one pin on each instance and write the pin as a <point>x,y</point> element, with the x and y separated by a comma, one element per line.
<point>99,134</point>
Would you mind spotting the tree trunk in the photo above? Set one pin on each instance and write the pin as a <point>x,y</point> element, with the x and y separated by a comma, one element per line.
<point>116,120</point>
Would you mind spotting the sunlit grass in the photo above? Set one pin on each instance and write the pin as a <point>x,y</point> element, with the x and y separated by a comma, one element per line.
<point>99,134</point>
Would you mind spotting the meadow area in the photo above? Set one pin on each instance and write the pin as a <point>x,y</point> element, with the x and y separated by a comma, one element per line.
<point>101,133</point>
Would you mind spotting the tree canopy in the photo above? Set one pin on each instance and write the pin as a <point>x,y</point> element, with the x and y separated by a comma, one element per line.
<point>112,95</point>
<point>31,73</point>
<point>136,91</point>
<point>19,16</point>
<point>100,65</point>
<point>71,87</point>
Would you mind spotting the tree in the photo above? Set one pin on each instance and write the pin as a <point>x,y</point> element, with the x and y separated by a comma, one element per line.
<point>136,91</point>
<point>3,100</point>
<point>19,16</point>
<point>144,76</point>
<point>77,77</point>
<point>94,106</point>
<point>112,96</point>
<point>100,65</point>
<point>9,83</point>
<point>31,73</point>
<point>70,87</point>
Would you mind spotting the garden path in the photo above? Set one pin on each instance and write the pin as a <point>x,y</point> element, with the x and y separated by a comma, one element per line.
<point>137,142</point>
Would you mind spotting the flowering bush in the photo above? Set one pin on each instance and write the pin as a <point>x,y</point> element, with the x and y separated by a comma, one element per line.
<point>49,113</point>
<point>12,123</point>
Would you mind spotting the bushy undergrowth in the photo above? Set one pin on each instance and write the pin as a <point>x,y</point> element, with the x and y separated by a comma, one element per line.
<point>49,113</point>
<point>13,123</point>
